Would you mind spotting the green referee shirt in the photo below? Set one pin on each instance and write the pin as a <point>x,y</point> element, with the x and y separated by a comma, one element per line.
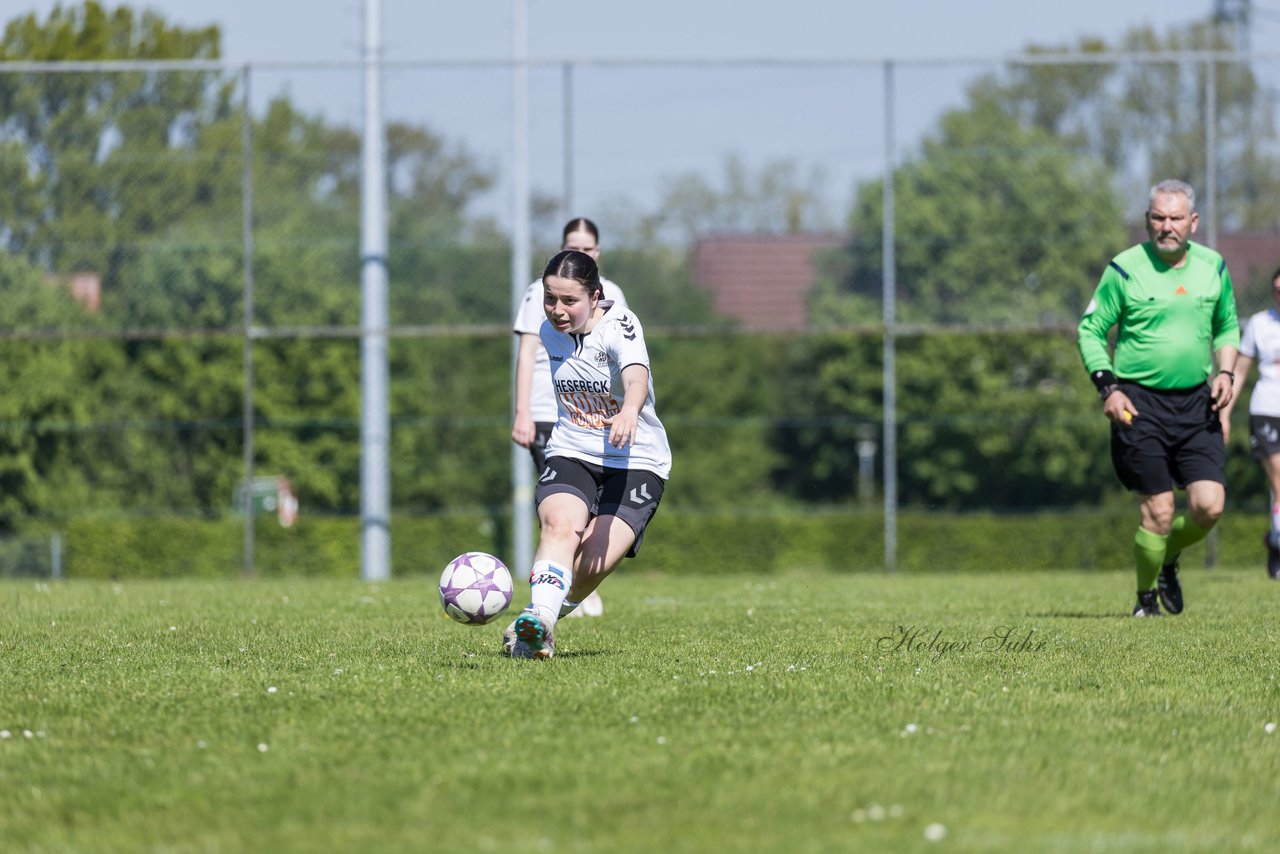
<point>1169,320</point>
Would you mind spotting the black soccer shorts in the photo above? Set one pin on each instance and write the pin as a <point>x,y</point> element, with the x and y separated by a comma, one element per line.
<point>1175,440</point>
<point>631,495</point>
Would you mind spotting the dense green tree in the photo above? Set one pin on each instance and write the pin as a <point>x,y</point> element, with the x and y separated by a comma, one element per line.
<point>1148,119</point>
<point>1005,217</point>
<point>107,156</point>
<point>451,426</point>
<point>42,460</point>
<point>715,397</point>
<point>984,420</point>
<point>161,156</point>
<point>1014,202</point>
<point>997,222</point>
<point>833,399</point>
<point>1003,421</point>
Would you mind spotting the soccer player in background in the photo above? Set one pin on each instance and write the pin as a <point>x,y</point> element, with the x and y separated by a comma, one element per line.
<point>607,461</point>
<point>535,402</point>
<point>1261,343</point>
<point>1174,311</point>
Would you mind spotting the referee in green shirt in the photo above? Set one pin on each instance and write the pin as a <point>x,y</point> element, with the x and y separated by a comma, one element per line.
<point>1171,303</point>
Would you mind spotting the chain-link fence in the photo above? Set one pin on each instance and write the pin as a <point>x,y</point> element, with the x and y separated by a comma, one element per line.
<point>182,276</point>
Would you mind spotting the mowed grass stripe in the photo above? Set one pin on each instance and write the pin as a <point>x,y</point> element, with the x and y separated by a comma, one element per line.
<point>1005,711</point>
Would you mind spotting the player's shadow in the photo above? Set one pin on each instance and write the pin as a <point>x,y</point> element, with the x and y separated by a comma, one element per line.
<point>1079,615</point>
<point>571,653</point>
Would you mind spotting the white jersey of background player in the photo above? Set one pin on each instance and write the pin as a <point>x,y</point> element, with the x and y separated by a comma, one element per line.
<point>608,458</point>
<point>1260,343</point>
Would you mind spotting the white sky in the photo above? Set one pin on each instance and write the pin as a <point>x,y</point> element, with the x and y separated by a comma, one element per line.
<point>637,126</point>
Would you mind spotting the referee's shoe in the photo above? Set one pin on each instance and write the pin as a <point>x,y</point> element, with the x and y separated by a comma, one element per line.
<point>1170,588</point>
<point>1148,605</point>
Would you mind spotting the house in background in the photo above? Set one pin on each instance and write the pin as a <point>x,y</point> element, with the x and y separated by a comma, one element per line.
<point>1251,256</point>
<point>761,280</point>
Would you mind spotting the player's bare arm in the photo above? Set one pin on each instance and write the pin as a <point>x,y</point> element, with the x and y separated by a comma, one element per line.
<point>1243,364</point>
<point>523,428</point>
<point>1224,381</point>
<point>635,389</point>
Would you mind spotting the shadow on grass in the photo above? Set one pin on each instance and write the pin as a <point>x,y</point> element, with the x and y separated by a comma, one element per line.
<point>1079,615</point>
<point>572,653</point>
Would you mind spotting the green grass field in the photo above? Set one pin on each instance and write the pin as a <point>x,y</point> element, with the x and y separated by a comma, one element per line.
<point>796,714</point>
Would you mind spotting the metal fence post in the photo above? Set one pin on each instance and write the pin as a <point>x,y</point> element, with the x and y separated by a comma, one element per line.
<point>887,272</point>
<point>521,479</point>
<point>1211,217</point>
<point>246,197</point>
<point>375,420</point>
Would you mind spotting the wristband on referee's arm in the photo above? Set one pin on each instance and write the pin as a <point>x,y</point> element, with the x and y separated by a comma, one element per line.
<point>1230,374</point>
<point>1105,382</point>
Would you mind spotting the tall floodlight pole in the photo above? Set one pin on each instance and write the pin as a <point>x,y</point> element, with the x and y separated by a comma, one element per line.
<point>521,475</point>
<point>375,423</point>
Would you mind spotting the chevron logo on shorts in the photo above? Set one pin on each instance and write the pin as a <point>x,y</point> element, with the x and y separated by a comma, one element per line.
<point>548,475</point>
<point>641,494</point>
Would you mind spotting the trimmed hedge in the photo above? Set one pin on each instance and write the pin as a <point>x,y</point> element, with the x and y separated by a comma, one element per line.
<point>845,540</point>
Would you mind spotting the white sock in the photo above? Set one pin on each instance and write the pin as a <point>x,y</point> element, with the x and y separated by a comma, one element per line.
<point>549,584</point>
<point>1275,523</point>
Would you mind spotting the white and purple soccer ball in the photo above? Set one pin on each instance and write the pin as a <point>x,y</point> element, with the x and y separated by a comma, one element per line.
<point>475,588</point>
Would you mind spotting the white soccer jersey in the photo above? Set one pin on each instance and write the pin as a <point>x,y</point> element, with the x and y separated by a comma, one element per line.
<point>529,319</point>
<point>586,372</point>
<point>1261,342</point>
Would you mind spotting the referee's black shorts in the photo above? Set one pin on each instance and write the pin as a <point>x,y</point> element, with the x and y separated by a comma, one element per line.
<point>1175,440</point>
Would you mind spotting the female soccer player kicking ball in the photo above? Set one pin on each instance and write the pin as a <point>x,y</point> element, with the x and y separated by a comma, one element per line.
<point>607,460</point>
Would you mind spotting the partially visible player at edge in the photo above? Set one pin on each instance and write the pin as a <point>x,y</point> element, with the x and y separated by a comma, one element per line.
<point>535,409</point>
<point>1172,303</point>
<point>608,459</point>
<point>1261,343</point>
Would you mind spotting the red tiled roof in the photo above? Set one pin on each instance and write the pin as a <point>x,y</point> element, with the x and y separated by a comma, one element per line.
<point>761,280</point>
<point>1251,256</point>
